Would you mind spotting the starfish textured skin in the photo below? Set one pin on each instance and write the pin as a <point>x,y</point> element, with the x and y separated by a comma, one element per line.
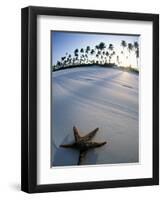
<point>83,143</point>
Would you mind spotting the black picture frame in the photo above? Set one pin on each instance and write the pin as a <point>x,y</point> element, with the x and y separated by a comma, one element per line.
<point>29,99</point>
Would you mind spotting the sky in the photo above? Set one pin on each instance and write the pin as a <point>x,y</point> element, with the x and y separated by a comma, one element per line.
<point>67,42</point>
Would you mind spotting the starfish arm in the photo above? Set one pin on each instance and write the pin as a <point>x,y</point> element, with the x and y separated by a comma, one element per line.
<point>96,144</point>
<point>76,133</point>
<point>81,156</point>
<point>67,145</point>
<point>90,135</point>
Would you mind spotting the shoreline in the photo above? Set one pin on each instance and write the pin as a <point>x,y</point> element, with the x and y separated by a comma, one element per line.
<point>121,68</point>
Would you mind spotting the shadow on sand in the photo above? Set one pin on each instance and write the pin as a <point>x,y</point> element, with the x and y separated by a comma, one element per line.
<point>68,156</point>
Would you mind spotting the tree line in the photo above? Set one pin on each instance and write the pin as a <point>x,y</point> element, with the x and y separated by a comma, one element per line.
<point>100,54</point>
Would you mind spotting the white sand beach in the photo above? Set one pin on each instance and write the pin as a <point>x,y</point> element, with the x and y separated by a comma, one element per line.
<point>90,97</point>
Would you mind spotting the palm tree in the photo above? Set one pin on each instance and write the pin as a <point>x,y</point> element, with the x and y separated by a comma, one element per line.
<point>118,60</point>
<point>107,56</point>
<point>111,47</point>
<point>92,53</point>
<point>97,47</point>
<point>87,52</point>
<point>81,55</point>
<point>63,60</point>
<point>101,47</point>
<point>97,56</point>
<point>123,44</point>
<point>130,48</point>
<point>81,50</point>
<point>87,49</point>
<point>69,59</point>
<point>85,58</point>
<point>76,51</point>
<point>96,52</point>
<point>73,61</point>
<point>136,47</point>
<point>58,65</point>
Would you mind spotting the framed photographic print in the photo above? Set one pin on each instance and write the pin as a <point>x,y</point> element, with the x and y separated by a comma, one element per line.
<point>90,99</point>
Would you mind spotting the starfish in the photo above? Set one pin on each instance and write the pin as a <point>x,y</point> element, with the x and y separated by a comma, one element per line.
<point>83,143</point>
